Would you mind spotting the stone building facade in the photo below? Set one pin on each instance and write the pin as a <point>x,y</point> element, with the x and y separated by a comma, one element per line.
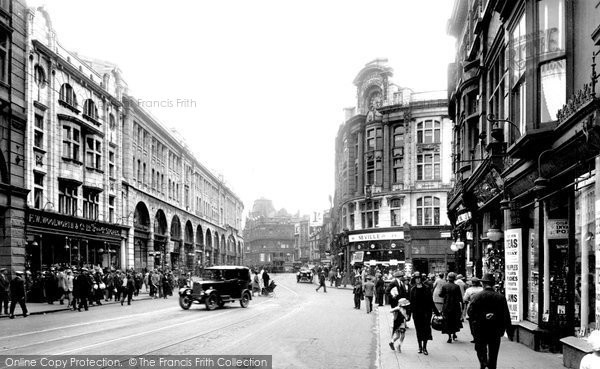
<point>527,138</point>
<point>72,154</point>
<point>392,174</point>
<point>13,189</point>
<point>179,214</point>
<point>109,186</point>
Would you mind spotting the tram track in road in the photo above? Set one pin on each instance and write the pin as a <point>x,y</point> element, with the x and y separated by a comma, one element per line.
<point>213,330</point>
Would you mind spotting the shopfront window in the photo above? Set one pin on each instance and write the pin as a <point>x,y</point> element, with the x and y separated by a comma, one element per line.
<point>585,262</point>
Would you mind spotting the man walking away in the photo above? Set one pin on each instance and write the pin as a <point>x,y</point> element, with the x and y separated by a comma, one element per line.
<point>491,318</point>
<point>369,290</point>
<point>470,292</point>
<point>322,282</point>
<point>17,294</point>
<point>266,278</point>
<point>4,289</point>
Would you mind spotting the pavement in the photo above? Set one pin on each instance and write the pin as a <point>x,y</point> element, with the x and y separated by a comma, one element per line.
<point>40,308</point>
<point>457,355</point>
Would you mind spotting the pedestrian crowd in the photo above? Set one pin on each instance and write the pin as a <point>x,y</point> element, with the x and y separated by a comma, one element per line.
<point>437,301</point>
<point>82,287</point>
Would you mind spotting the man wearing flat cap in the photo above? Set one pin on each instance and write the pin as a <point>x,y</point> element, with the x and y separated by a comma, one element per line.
<point>17,294</point>
<point>491,318</point>
<point>471,291</point>
<point>4,290</point>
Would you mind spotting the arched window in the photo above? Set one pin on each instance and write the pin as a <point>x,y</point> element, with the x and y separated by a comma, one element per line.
<point>428,210</point>
<point>90,109</point>
<point>39,76</point>
<point>68,95</point>
<point>112,122</point>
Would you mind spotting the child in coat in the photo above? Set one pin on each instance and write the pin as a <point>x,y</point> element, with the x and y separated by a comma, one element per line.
<point>400,318</point>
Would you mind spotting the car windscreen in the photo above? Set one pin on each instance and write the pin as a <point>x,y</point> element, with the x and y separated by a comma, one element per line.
<point>212,274</point>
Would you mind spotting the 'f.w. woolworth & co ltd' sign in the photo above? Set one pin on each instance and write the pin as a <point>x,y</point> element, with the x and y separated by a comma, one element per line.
<point>52,221</point>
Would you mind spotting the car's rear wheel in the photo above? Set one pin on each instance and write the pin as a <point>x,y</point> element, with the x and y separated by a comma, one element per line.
<point>212,302</point>
<point>185,302</point>
<point>245,301</point>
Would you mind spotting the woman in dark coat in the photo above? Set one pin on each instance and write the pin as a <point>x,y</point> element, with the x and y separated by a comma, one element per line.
<point>379,290</point>
<point>166,285</point>
<point>422,304</point>
<point>452,307</point>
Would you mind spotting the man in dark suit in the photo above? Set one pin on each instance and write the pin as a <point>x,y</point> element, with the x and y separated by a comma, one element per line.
<point>489,312</point>
<point>397,282</point>
<point>17,294</point>
<point>84,287</point>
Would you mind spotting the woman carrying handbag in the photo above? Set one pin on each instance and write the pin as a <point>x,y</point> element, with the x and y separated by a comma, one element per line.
<point>421,300</point>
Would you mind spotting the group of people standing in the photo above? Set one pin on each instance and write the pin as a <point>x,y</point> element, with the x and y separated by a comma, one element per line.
<point>421,297</point>
<point>260,282</point>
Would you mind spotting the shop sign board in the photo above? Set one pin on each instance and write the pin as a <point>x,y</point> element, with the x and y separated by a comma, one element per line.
<point>463,217</point>
<point>357,257</point>
<point>557,229</point>
<point>393,262</point>
<point>513,272</point>
<point>376,236</point>
<point>36,218</point>
<point>408,268</point>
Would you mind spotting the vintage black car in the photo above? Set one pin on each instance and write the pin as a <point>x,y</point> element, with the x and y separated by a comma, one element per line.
<point>216,286</point>
<point>304,275</point>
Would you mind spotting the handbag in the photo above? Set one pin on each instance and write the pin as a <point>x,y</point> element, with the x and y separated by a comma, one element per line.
<point>437,322</point>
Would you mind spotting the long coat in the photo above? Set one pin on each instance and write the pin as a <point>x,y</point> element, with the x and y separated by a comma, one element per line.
<point>83,286</point>
<point>489,302</point>
<point>452,308</point>
<point>17,288</point>
<point>421,301</point>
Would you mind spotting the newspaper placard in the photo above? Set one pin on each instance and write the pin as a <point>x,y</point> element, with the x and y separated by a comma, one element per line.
<point>357,257</point>
<point>513,272</point>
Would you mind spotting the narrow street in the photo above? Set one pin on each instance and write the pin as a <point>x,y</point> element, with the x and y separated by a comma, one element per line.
<point>299,327</point>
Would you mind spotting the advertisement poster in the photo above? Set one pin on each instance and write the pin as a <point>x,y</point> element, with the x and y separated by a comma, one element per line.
<point>513,283</point>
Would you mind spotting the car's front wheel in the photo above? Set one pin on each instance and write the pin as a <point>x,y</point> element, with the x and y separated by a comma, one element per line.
<point>212,302</point>
<point>245,301</point>
<point>185,302</point>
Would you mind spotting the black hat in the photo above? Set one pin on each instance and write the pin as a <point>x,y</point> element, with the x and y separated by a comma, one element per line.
<point>488,278</point>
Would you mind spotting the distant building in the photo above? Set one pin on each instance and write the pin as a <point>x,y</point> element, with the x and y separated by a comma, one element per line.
<point>392,175</point>
<point>269,239</point>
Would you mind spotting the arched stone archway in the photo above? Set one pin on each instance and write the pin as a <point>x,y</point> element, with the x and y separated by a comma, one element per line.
<point>161,239</point>
<point>199,249</point>
<point>177,242</point>
<point>188,248</point>
<point>208,248</point>
<point>141,236</point>
<point>231,250</point>
<point>217,249</point>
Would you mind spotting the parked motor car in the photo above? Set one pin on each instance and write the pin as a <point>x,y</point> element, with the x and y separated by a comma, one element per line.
<point>304,275</point>
<point>216,286</point>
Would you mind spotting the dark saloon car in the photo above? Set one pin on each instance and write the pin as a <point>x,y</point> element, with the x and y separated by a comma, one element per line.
<point>304,275</point>
<point>216,286</point>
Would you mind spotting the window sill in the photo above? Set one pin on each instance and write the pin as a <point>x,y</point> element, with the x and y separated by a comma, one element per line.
<point>92,169</point>
<point>39,149</point>
<point>74,161</point>
<point>92,120</point>
<point>69,106</point>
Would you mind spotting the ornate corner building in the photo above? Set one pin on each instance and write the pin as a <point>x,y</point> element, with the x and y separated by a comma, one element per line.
<point>522,95</point>
<point>13,118</point>
<point>392,176</point>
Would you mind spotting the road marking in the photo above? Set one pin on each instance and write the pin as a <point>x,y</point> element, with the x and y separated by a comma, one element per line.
<point>87,323</point>
<point>147,332</point>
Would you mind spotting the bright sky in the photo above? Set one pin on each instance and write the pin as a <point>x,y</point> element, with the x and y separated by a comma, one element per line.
<point>269,79</point>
